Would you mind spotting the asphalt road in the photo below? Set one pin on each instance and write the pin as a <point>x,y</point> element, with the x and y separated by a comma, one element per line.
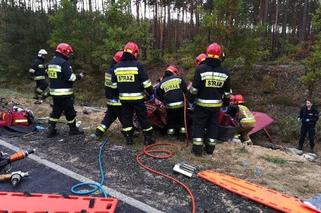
<point>124,175</point>
<point>43,179</point>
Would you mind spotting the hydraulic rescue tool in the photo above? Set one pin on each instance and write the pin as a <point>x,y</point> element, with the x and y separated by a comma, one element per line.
<point>14,177</point>
<point>6,160</point>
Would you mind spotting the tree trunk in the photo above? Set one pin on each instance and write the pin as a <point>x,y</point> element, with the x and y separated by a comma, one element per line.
<point>265,13</point>
<point>197,16</point>
<point>145,8</point>
<point>137,10</point>
<point>275,28</point>
<point>191,33</point>
<point>155,24</point>
<point>163,31</point>
<point>304,20</point>
<point>169,26</point>
<point>285,18</point>
<point>177,30</point>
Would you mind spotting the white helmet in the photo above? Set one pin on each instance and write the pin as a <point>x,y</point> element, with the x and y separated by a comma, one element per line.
<point>42,52</point>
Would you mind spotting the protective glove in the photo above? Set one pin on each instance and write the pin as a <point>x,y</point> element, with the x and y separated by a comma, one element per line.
<point>307,120</point>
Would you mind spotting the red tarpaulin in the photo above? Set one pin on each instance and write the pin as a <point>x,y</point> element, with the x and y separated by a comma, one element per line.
<point>262,121</point>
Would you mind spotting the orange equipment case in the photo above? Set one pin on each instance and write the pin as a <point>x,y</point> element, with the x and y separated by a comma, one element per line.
<point>257,193</point>
<point>41,203</point>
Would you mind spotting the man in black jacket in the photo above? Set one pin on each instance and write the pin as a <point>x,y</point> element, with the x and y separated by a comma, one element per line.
<point>171,92</point>
<point>38,72</point>
<point>308,117</point>
<point>113,104</point>
<point>211,90</point>
<point>61,89</point>
<point>130,80</point>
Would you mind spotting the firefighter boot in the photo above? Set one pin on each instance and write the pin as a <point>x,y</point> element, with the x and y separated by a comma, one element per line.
<point>100,130</point>
<point>210,146</point>
<point>209,149</point>
<point>74,130</point>
<point>197,150</point>
<point>311,148</point>
<point>182,134</point>
<point>149,138</point>
<point>52,132</point>
<point>129,137</point>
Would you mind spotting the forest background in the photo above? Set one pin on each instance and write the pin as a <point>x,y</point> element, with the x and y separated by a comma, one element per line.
<point>253,33</point>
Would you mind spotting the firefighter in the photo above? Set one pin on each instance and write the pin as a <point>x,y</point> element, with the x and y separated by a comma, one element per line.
<point>244,117</point>
<point>113,104</point>
<point>171,92</point>
<point>38,72</point>
<point>200,58</point>
<point>61,89</point>
<point>211,89</point>
<point>308,117</point>
<point>130,80</point>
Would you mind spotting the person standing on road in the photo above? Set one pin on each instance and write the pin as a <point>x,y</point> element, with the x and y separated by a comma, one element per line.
<point>61,89</point>
<point>308,117</point>
<point>113,104</point>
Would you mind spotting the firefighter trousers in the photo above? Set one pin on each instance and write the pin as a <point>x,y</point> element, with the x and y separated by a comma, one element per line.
<point>112,113</point>
<point>128,110</point>
<point>205,125</point>
<point>307,129</point>
<point>63,104</point>
<point>41,89</point>
<point>244,131</point>
<point>175,120</point>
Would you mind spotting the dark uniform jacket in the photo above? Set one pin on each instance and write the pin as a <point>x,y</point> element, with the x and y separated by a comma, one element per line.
<point>211,84</point>
<point>170,90</point>
<point>38,69</point>
<point>61,76</point>
<point>111,99</point>
<point>130,80</point>
<point>308,117</point>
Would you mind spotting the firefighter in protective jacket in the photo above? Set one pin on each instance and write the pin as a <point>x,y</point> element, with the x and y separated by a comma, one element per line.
<point>38,72</point>
<point>245,118</point>
<point>61,89</point>
<point>171,92</point>
<point>113,103</point>
<point>211,89</point>
<point>130,80</point>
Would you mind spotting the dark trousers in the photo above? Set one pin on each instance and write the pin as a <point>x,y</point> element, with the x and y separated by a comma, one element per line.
<point>63,105</point>
<point>305,129</point>
<point>128,110</point>
<point>205,120</point>
<point>41,89</point>
<point>175,118</point>
<point>112,113</point>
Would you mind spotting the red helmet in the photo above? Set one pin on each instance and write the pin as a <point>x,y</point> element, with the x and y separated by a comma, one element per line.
<point>172,69</point>
<point>131,48</point>
<point>214,50</point>
<point>201,57</point>
<point>238,99</point>
<point>118,56</point>
<point>64,49</point>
